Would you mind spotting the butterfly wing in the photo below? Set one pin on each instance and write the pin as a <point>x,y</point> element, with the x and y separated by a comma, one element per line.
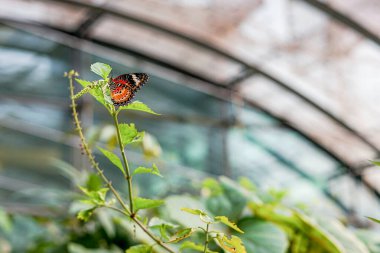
<point>124,87</point>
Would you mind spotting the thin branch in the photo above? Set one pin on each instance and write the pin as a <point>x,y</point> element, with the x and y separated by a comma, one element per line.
<point>94,164</point>
<point>85,147</point>
<point>207,239</point>
<point>128,176</point>
<point>158,241</point>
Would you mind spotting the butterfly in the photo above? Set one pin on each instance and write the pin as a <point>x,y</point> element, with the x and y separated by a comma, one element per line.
<point>124,87</point>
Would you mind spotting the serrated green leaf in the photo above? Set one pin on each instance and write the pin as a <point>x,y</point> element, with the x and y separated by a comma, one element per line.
<point>95,91</point>
<point>194,246</point>
<point>233,245</point>
<point>85,214</point>
<point>373,219</point>
<point>101,194</point>
<point>141,248</point>
<point>182,234</point>
<point>82,82</point>
<point>101,69</point>
<point>129,134</point>
<point>137,106</point>
<point>143,170</point>
<point>142,203</point>
<point>193,211</point>
<point>226,221</point>
<point>113,158</point>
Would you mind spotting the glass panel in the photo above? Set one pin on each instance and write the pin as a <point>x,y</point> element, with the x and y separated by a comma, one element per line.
<point>311,121</point>
<point>195,130</point>
<point>166,48</point>
<point>355,196</point>
<point>50,13</point>
<point>372,176</point>
<point>325,61</point>
<point>365,12</point>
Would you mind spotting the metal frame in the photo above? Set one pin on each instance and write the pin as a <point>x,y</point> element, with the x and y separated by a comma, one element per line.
<point>343,19</point>
<point>92,18</point>
<point>212,48</point>
<point>220,87</point>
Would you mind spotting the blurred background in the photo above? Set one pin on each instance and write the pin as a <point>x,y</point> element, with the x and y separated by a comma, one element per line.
<point>282,92</point>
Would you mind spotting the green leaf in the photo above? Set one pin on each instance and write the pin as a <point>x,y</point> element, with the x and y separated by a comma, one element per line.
<point>213,186</point>
<point>247,184</point>
<point>193,211</point>
<point>129,134</point>
<point>101,69</point>
<point>141,248</point>
<point>85,214</point>
<point>226,221</point>
<point>193,246</point>
<point>373,219</point>
<point>113,158</point>
<point>95,91</point>
<point>137,106</point>
<point>233,245</point>
<point>143,170</point>
<point>345,237</point>
<point>142,203</point>
<point>230,203</point>
<point>377,163</point>
<point>94,197</point>
<point>5,221</point>
<point>292,221</point>
<point>94,182</point>
<point>182,234</point>
<point>162,226</point>
<point>82,82</point>
<point>263,237</point>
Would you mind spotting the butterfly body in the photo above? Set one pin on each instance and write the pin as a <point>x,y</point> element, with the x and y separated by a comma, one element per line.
<point>124,87</point>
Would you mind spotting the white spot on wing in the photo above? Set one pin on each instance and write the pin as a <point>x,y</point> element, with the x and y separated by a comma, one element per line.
<point>136,80</point>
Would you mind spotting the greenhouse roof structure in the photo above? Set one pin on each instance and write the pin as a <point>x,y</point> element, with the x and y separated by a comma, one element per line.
<point>284,86</point>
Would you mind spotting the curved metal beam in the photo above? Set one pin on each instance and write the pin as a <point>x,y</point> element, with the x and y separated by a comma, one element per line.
<point>220,88</point>
<point>344,19</point>
<point>227,55</point>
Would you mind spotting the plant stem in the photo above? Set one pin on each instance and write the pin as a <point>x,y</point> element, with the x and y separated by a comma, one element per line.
<point>117,210</point>
<point>87,150</point>
<point>94,164</point>
<point>128,173</point>
<point>206,241</point>
<point>158,241</point>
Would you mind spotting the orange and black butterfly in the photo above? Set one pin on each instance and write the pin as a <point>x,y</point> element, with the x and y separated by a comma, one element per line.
<point>124,87</point>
